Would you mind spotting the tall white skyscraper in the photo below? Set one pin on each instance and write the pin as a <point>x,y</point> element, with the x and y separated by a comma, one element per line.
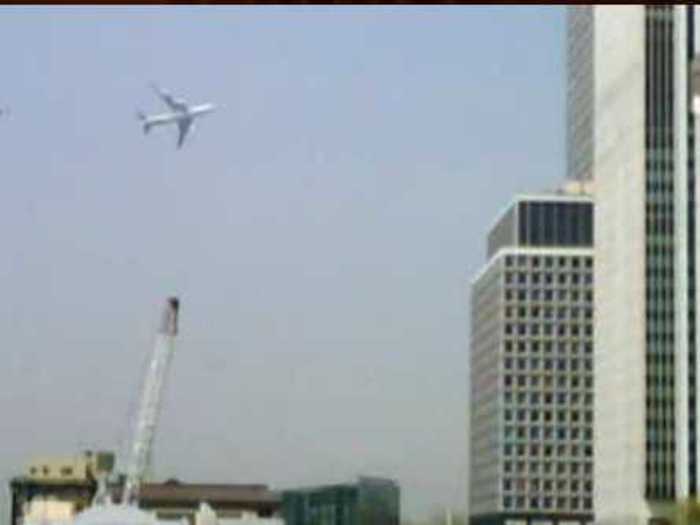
<point>630,128</point>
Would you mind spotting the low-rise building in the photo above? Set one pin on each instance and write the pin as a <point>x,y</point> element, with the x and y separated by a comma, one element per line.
<point>55,490</point>
<point>369,501</point>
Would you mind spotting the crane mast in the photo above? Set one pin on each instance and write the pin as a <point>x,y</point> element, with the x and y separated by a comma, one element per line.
<point>150,401</point>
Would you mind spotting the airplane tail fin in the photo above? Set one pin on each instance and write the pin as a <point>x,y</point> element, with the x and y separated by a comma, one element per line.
<point>146,124</point>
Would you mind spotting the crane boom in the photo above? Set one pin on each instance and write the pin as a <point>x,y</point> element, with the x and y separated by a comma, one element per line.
<point>150,401</point>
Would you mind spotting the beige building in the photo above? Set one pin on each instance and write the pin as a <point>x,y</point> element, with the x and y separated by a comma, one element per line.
<point>56,489</point>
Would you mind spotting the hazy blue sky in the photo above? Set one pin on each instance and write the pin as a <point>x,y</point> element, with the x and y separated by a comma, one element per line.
<point>321,229</point>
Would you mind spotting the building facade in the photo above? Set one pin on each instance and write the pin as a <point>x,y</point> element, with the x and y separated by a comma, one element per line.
<point>369,501</point>
<point>56,490</point>
<point>630,84</point>
<point>531,366</point>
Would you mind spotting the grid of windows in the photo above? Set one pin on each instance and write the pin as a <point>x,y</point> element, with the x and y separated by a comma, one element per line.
<point>547,383</point>
<point>660,314</point>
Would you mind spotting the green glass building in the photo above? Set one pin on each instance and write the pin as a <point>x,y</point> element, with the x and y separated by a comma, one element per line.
<point>369,501</point>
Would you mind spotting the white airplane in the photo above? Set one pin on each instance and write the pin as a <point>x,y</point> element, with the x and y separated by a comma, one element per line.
<point>181,114</point>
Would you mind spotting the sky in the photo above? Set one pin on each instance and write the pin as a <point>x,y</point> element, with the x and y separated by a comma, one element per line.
<point>321,229</point>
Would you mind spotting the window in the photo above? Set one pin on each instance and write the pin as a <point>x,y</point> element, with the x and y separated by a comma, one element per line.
<point>66,471</point>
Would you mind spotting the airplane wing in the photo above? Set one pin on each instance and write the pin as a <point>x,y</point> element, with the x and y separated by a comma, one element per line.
<point>175,104</point>
<point>183,126</point>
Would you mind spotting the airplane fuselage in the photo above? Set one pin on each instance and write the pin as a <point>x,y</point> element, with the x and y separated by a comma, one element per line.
<point>176,116</point>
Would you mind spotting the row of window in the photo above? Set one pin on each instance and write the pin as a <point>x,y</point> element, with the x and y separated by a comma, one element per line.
<point>522,381</point>
<point>547,485</point>
<point>560,503</point>
<point>548,449</point>
<point>547,416</point>
<point>549,312</point>
<point>559,329</point>
<point>548,398</point>
<point>535,364</point>
<point>547,346</point>
<point>548,433</point>
<point>549,261</point>
<point>575,468</point>
<point>547,295</point>
<point>524,278</point>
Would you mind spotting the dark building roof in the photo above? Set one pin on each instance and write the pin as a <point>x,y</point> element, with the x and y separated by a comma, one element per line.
<point>214,494</point>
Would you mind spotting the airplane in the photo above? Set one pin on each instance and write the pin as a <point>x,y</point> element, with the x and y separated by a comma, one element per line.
<point>181,114</point>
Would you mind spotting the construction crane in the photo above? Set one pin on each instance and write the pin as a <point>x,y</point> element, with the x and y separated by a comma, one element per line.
<point>150,401</point>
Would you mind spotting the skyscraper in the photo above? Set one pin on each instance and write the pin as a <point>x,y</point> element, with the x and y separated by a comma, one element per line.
<point>531,366</point>
<point>631,129</point>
